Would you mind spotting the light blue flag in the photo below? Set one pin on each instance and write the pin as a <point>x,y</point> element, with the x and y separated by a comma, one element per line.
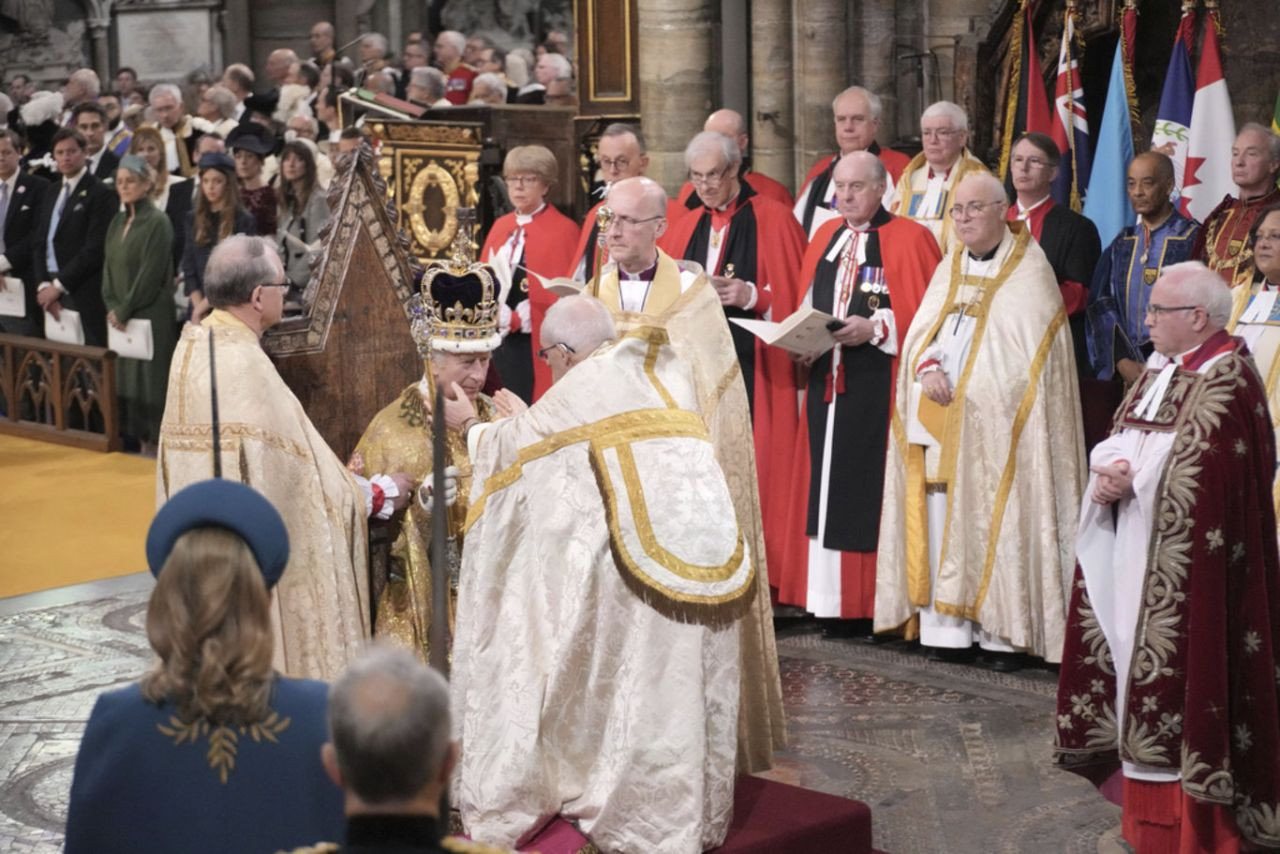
<point>1107,203</point>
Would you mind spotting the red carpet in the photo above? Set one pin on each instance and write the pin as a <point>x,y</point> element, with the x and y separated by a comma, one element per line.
<point>768,818</point>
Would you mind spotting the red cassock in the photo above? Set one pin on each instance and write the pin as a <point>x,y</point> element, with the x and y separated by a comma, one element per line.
<point>586,249</point>
<point>761,183</point>
<point>548,247</point>
<point>765,244</point>
<point>894,162</point>
<point>908,254</point>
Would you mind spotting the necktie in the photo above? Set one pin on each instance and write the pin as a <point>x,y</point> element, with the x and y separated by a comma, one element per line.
<point>4,211</point>
<point>52,257</point>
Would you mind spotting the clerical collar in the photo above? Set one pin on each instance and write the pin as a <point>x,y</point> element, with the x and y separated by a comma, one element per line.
<point>645,275</point>
<point>986,256</point>
<point>1268,286</point>
<point>525,219</point>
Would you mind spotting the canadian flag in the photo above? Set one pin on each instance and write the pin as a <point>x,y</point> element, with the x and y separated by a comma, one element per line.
<point>1213,131</point>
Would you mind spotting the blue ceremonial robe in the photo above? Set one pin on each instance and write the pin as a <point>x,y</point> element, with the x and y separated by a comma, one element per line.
<point>1115,324</point>
<point>144,781</point>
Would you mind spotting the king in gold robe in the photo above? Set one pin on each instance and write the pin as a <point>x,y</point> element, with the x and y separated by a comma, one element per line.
<point>266,440</point>
<point>681,301</point>
<point>399,438</point>
<point>986,489</point>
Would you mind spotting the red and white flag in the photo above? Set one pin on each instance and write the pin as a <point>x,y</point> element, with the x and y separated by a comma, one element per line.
<point>1213,131</point>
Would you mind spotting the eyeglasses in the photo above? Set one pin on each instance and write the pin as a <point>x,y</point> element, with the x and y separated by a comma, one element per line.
<point>285,285</point>
<point>708,179</point>
<point>1032,162</point>
<point>1155,311</point>
<point>972,209</point>
<point>626,223</point>
<point>542,354</point>
<point>521,180</point>
<point>1266,237</point>
<point>938,133</point>
<point>619,163</point>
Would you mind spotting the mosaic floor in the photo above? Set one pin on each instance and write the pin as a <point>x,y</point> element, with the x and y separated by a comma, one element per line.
<point>950,758</point>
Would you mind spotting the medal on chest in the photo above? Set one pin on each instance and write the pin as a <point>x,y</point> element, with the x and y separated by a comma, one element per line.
<point>872,285</point>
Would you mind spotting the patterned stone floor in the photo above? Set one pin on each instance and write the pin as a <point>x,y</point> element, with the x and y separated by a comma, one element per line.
<point>950,758</point>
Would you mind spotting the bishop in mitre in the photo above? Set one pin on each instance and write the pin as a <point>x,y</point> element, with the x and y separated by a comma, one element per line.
<point>986,453</point>
<point>596,664</point>
<point>455,326</point>
<point>264,438</point>
<point>645,287</point>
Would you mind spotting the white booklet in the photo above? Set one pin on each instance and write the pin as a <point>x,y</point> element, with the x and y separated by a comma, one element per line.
<point>13,301</point>
<point>804,332</point>
<point>134,341</point>
<point>67,329</point>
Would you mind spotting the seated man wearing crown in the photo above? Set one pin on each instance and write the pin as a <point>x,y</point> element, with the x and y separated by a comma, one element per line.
<point>456,329</point>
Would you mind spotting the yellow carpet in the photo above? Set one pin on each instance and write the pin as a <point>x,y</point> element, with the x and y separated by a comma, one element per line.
<point>68,516</point>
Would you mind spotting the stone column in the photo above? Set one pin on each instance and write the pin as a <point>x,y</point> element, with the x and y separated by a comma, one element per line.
<point>99,21</point>
<point>873,34</point>
<point>677,81</point>
<point>773,116</point>
<point>820,51</point>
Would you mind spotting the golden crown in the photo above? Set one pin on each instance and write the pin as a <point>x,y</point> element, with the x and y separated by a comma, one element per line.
<point>456,308</point>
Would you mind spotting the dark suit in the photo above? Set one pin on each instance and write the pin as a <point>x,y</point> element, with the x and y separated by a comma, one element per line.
<point>78,244</point>
<point>21,227</point>
<point>106,171</point>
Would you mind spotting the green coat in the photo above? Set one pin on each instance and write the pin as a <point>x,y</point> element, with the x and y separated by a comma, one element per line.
<point>137,283</point>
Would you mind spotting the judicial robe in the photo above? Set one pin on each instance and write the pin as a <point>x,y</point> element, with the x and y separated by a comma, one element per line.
<point>1115,324</point>
<point>548,243</point>
<point>858,396</point>
<point>1223,240</point>
<point>1198,700</point>
<point>763,245</point>
<point>761,183</point>
<point>583,265</point>
<point>818,182</point>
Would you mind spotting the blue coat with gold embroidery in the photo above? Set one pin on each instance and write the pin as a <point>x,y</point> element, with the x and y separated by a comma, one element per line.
<point>1115,322</point>
<point>145,781</point>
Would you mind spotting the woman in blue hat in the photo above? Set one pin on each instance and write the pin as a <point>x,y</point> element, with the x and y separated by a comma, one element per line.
<point>212,751</point>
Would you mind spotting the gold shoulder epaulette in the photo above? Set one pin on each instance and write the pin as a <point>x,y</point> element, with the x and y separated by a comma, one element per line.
<point>465,846</point>
<point>318,848</point>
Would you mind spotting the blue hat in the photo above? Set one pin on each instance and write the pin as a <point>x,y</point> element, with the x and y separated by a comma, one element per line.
<point>217,160</point>
<point>222,504</point>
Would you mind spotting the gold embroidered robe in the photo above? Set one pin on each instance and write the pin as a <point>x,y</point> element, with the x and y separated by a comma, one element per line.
<point>320,610</point>
<point>1011,462</point>
<point>595,670</point>
<point>914,181</point>
<point>399,439</point>
<point>683,303</point>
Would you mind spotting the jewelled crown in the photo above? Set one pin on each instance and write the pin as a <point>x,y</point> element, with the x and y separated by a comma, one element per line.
<point>456,308</point>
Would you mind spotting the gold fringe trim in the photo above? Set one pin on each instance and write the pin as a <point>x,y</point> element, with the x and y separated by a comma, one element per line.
<point>1015,81</point>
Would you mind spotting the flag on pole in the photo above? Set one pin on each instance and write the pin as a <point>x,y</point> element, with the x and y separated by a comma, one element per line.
<point>1275,117</point>
<point>1070,122</point>
<point>1107,202</point>
<point>1207,177</point>
<point>1029,111</point>
<point>1172,131</point>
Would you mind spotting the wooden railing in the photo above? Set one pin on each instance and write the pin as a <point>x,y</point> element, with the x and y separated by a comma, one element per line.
<point>58,393</point>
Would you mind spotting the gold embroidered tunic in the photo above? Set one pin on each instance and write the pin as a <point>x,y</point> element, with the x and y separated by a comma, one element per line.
<point>399,439</point>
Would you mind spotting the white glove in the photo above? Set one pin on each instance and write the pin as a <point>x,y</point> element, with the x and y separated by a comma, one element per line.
<point>526,323</point>
<point>425,498</point>
<point>504,319</point>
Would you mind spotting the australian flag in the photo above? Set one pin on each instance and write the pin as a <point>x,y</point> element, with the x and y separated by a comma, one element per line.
<point>1172,133</point>
<point>1070,123</point>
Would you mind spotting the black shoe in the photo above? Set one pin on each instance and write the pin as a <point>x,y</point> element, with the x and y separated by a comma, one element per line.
<point>1003,662</point>
<point>843,629</point>
<point>951,655</point>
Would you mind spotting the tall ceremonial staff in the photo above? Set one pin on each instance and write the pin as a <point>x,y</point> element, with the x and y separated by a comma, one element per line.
<point>604,218</point>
